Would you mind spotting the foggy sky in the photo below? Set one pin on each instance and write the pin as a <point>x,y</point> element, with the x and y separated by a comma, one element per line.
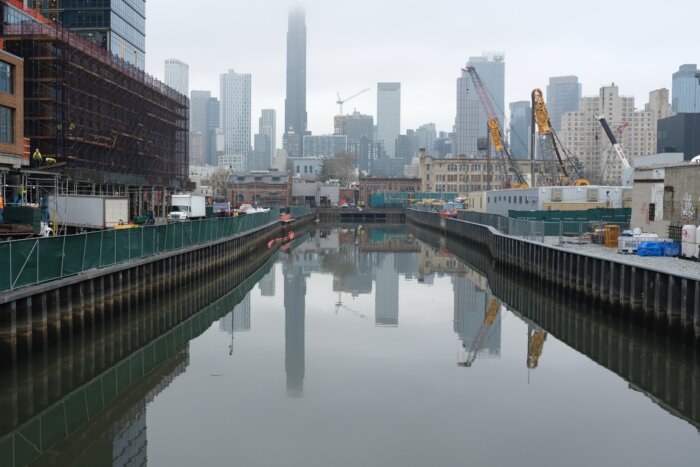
<point>351,45</point>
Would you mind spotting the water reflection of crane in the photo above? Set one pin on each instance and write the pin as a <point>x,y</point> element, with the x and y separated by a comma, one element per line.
<point>339,304</point>
<point>489,319</point>
<point>535,342</point>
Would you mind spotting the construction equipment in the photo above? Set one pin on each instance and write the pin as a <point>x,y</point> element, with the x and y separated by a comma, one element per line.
<point>616,145</point>
<point>496,132</point>
<point>342,101</point>
<point>570,175</point>
<point>535,343</point>
<point>489,319</point>
<point>627,171</point>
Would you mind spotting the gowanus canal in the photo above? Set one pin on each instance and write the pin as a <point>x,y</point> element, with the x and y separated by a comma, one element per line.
<point>365,346</point>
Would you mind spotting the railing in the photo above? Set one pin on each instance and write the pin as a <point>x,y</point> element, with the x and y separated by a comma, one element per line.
<point>35,261</point>
<point>540,231</point>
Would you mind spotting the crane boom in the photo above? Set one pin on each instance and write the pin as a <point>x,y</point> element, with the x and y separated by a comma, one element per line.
<point>545,128</point>
<point>489,319</point>
<point>494,126</point>
<point>616,145</point>
<point>342,101</point>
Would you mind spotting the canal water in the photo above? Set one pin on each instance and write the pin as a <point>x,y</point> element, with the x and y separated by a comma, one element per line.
<point>374,346</point>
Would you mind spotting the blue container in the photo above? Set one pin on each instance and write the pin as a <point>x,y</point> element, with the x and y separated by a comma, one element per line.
<point>672,249</point>
<point>650,251</point>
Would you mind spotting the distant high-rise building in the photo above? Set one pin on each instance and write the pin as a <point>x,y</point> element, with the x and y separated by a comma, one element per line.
<point>583,136</point>
<point>520,127</point>
<point>686,90</point>
<point>324,145</point>
<point>213,120</point>
<point>388,116</point>
<point>359,130</point>
<point>407,147</point>
<point>470,124</point>
<point>659,104</point>
<point>444,145</point>
<point>426,136</point>
<point>563,95</point>
<point>177,75</point>
<point>116,25</point>
<point>235,113</point>
<point>268,126</point>
<point>204,119</point>
<point>238,320</point>
<point>295,117</point>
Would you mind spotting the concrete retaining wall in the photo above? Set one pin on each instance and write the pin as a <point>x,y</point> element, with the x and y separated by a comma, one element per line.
<point>34,318</point>
<point>669,303</point>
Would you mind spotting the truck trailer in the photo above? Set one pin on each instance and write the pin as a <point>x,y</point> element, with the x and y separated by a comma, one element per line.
<point>89,212</point>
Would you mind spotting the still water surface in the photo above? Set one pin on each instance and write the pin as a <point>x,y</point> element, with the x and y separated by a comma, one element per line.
<point>374,348</point>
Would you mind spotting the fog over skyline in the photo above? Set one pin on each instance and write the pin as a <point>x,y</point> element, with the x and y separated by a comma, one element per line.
<point>637,45</point>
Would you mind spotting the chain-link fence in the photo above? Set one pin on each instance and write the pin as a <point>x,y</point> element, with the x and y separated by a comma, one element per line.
<point>34,261</point>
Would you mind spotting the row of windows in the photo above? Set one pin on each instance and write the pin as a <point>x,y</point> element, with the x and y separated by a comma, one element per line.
<point>7,125</point>
<point>6,72</point>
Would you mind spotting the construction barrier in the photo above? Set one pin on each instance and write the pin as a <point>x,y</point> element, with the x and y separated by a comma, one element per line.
<point>34,261</point>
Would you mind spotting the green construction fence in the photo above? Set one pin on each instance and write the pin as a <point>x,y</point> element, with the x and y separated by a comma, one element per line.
<point>34,261</point>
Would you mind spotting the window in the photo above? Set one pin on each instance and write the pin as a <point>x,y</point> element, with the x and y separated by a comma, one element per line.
<point>7,125</point>
<point>652,212</point>
<point>6,78</point>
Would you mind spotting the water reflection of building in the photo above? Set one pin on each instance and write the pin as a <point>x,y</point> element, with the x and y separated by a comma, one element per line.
<point>386,297</point>
<point>438,260</point>
<point>129,442</point>
<point>267,284</point>
<point>238,320</point>
<point>129,433</point>
<point>471,300</point>
<point>294,326</point>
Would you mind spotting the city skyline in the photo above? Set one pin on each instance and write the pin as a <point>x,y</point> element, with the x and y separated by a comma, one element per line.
<point>332,67</point>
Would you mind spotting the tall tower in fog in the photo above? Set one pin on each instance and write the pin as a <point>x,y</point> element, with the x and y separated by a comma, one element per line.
<point>388,115</point>
<point>470,124</point>
<point>295,102</point>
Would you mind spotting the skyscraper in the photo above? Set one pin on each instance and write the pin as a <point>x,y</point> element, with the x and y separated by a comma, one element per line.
<point>116,25</point>
<point>685,91</point>
<point>177,75</point>
<point>470,123</point>
<point>235,112</point>
<point>520,125</point>
<point>388,116</point>
<point>295,118</point>
<point>204,120</point>
<point>426,136</point>
<point>563,95</point>
<point>267,125</point>
<point>359,129</point>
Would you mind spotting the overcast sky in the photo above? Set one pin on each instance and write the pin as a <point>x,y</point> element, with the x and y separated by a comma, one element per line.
<point>351,45</point>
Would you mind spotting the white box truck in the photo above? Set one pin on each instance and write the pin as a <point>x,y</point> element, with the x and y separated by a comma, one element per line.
<point>89,212</point>
<point>187,207</point>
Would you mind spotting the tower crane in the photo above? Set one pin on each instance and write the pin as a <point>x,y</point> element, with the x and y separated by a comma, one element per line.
<point>489,319</point>
<point>342,101</point>
<point>570,175</point>
<point>495,131</point>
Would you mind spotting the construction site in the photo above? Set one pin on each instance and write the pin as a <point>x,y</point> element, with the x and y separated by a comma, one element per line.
<point>97,120</point>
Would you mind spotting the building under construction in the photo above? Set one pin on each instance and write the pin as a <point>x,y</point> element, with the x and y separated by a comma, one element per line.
<point>100,119</point>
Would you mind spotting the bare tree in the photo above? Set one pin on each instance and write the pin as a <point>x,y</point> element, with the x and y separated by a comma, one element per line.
<point>340,167</point>
<point>219,182</point>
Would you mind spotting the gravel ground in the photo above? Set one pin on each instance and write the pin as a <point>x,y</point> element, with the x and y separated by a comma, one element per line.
<point>672,265</point>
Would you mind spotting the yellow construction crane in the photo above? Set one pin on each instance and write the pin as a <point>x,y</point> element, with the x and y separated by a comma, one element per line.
<point>572,175</point>
<point>495,131</point>
<point>489,319</point>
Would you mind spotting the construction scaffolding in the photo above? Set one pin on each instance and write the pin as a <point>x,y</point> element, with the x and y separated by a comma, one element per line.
<point>94,117</point>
